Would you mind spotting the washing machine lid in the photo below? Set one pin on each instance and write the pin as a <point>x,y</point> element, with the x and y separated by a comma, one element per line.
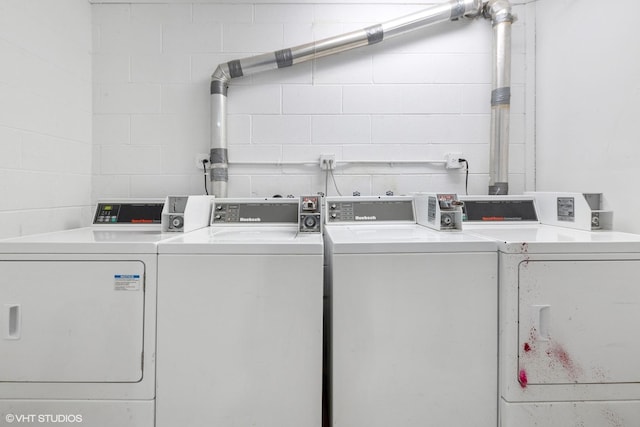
<point>551,239</point>
<point>244,240</point>
<point>408,238</point>
<point>88,240</point>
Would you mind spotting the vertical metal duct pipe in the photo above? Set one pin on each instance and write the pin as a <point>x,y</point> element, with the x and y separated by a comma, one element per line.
<point>499,11</point>
<point>451,10</point>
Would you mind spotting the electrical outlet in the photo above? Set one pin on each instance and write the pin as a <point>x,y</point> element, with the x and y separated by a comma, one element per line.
<point>327,161</point>
<point>199,158</point>
<point>453,160</point>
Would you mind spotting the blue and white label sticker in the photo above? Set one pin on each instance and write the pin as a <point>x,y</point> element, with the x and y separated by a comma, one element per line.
<point>127,282</point>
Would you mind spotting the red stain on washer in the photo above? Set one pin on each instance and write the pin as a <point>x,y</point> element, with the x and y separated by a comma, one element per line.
<point>559,354</point>
<point>527,347</point>
<point>522,378</point>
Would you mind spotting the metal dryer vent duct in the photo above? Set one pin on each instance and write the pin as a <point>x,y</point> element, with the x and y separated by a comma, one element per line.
<point>499,11</point>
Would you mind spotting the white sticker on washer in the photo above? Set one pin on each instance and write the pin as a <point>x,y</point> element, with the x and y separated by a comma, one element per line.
<point>566,209</point>
<point>127,282</point>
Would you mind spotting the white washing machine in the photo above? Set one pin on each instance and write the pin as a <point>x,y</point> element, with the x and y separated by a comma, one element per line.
<point>569,318</point>
<point>413,318</point>
<point>78,321</point>
<point>240,318</point>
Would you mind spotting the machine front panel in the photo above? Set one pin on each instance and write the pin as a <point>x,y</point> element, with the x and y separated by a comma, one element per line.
<point>409,331</point>
<point>243,346</point>
<point>578,322</point>
<point>71,321</point>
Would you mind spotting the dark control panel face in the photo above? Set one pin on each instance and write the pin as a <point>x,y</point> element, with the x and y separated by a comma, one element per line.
<point>499,210</point>
<point>339,211</point>
<point>128,213</point>
<point>254,212</point>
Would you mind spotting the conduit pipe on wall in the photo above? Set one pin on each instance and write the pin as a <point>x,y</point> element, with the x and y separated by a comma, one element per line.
<point>316,163</point>
<point>451,10</point>
<point>499,11</point>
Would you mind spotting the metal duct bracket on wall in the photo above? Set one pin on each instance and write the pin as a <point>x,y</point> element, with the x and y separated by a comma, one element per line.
<point>451,10</point>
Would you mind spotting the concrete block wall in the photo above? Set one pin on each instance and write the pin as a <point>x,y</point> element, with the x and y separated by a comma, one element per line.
<point>588,73</point>
<point>45,116</point>
<point>417,96</point>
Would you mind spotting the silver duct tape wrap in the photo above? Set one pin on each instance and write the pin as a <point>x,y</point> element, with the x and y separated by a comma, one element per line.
<point>218,156</point>
<point>501,96</point>
<point>375,34</point>
<point>458,9</point>
<point>220,174</point>
<point>235,68</point>
<point>219,161</point>
<point>284,58</point>
<point>505,17</point>
<point>219,87</point>
<point>499,189</point>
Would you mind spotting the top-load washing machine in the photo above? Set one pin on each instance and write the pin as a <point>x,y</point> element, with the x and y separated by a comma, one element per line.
<point>240,318</point>
<point>413,317</point>
<point>78,321</point>
<point>569,351</point>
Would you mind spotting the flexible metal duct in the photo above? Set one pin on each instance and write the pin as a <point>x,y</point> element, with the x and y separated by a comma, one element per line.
<point>451,10</point>
<point>499,11</point>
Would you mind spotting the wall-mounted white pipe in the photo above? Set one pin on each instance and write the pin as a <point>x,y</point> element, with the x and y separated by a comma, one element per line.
<point>499,11</point>
<point>451,10</point>
<point>316,163</point>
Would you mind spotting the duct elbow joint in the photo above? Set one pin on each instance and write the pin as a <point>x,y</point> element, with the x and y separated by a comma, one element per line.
<point>220,80</point>
<point>499,11</point>
<point>221,73</point>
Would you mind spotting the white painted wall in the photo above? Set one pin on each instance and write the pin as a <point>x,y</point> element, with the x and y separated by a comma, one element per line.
<point>45,115</point>
<point>416,96</point>
<point>588,101</point>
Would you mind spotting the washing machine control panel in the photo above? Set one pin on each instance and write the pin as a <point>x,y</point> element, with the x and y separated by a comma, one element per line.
<point>256,211</point>
<point>305,212</point>
<point>119,213</point>
<point>581,211</point>
<point>362,210</point>
<point>499,209</point>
